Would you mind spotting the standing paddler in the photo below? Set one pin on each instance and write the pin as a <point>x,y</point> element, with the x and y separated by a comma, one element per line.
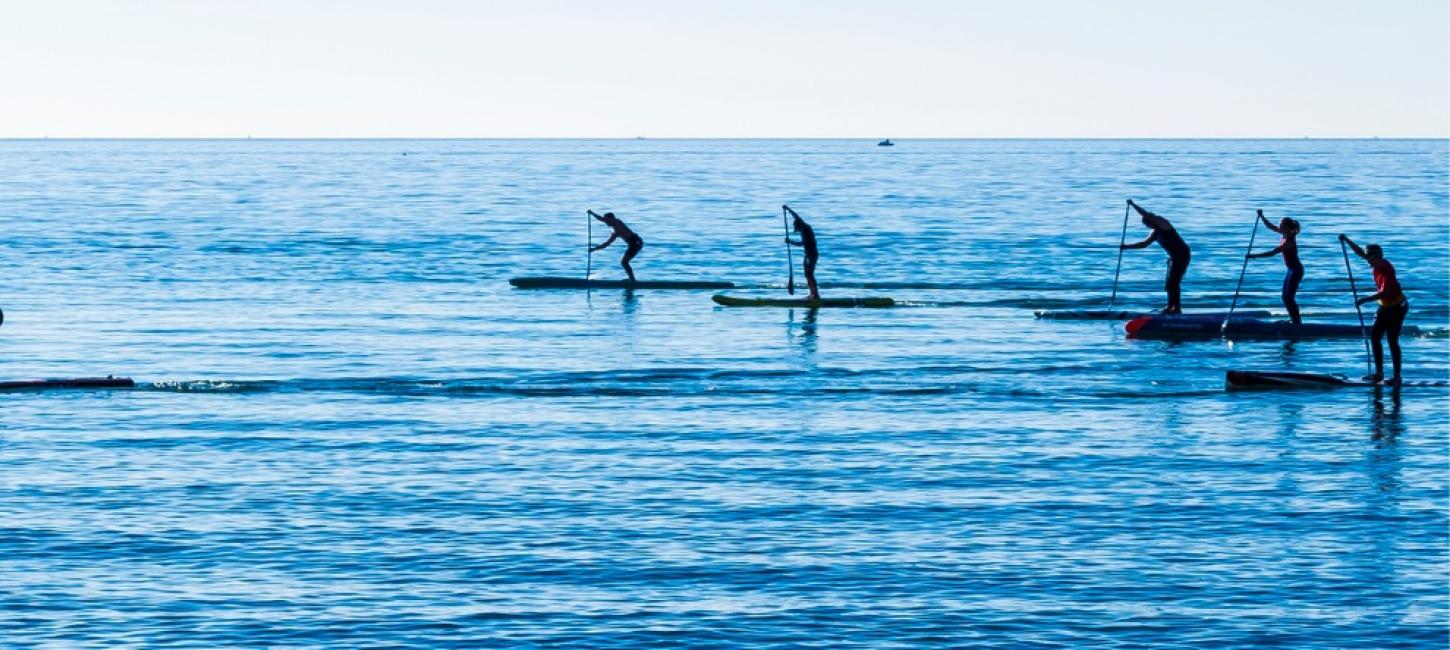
<point>1178,254</point>
<point>1288,230</point>
<point>808,243</point>
<point>620,231</point>
<point>1394,306</point>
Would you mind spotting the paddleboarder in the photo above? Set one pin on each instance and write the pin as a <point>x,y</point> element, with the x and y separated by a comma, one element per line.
<point>1178,254</point>
<point>620,231</point>
<point>1390,317</point>
<point>1288,230</point>
<point>808,243</point>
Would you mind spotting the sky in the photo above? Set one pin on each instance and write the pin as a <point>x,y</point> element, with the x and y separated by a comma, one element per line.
<point>737,68</point>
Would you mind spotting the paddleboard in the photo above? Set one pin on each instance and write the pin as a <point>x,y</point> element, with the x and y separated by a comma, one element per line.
<point>74,382</point>
<point>1104,314</point>
<point>546,282</point>
<point>1264,380</point>
<point>871,302</point>
<point>1180,329</point>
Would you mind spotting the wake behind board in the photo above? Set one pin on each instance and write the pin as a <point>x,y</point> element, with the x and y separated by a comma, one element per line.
<point>1119,314</point>
<point>1243,329</point>
<point>871,302</point>
<point>546,282</point>
<point>1264,380</point>
<point>71,383</point>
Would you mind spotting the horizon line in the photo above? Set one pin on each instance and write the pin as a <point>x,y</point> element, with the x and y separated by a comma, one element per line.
<point>701,138</point>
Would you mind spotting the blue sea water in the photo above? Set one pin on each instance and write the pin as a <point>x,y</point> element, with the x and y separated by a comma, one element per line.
<point>349,431</point>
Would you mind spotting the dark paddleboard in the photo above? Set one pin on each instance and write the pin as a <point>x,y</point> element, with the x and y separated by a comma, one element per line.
<point>1242,329</point>
<point>74,382</point>
<point>1264,380</point>
<point>1119,314</point>
<point>807,303</point>
<point>546,282</point>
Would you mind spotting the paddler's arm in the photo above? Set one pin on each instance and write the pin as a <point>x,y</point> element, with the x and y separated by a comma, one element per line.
<point>793,242</point>
<point>607,242</point>
<point>1353,246</point>
<point>1142,244</point>
<point>1268,225</point>
<point>1277,249</point>
<point>1360,252</point>
<point>1141,211</point>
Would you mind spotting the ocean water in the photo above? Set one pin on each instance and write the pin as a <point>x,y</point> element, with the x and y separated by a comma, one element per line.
<point>350,431</point>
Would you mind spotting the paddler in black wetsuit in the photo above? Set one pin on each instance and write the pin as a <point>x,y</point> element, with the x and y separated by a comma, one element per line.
<point>620,231</point>
<point>808,243</point>
<point>1288,246</point>
<point>1178,254</point>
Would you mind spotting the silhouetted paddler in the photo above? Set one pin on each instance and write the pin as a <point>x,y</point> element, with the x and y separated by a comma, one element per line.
<point>620,231</point>
<point>1178,255</point>
<point>808,244</point>
<point>1394,306</point>
<point>1288,230</point>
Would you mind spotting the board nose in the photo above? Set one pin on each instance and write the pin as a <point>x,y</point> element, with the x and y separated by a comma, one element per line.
<point>1136,324</point>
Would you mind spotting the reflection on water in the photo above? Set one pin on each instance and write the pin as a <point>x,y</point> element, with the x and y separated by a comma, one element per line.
<point>1383,501</point>
<point>1385,422</point>
<point>803,335</point>
<point>628,301</point>
<point>1291,415</point>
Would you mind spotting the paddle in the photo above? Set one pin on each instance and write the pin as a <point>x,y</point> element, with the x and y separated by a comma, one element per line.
<point>789,257</point>
<point>1121,240</point>
<point>1235,303</point>
<point>1369,366</point>
<point>589,258</point>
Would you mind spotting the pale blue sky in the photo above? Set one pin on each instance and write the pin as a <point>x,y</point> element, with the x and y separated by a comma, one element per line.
<point>739,68</point>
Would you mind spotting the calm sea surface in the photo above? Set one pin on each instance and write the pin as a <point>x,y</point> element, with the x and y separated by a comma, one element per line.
<point>349,431</point>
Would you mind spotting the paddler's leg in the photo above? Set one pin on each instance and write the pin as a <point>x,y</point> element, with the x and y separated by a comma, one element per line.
<point>1177,267</point>
<point>1291,289</point>
<point>1376,332</point>
<point>629,254</point>
<point>810,268</point>
<point>1396,320</point>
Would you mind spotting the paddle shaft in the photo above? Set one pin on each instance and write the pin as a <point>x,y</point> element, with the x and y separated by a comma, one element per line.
<point>1368,356</point>
<point>789,256</point>
<point>589,257</point>
<point>1242,271</point>
<point>1122,239</point>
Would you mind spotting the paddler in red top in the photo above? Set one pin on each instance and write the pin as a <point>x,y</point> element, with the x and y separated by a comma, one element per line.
<point>1178,254</point>
<point>1393,308</point>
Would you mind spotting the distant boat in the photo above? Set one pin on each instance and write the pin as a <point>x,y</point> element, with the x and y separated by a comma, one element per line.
<point>886,143</point>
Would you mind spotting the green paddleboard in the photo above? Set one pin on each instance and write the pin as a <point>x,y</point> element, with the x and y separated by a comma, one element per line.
<point>806,303</point>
